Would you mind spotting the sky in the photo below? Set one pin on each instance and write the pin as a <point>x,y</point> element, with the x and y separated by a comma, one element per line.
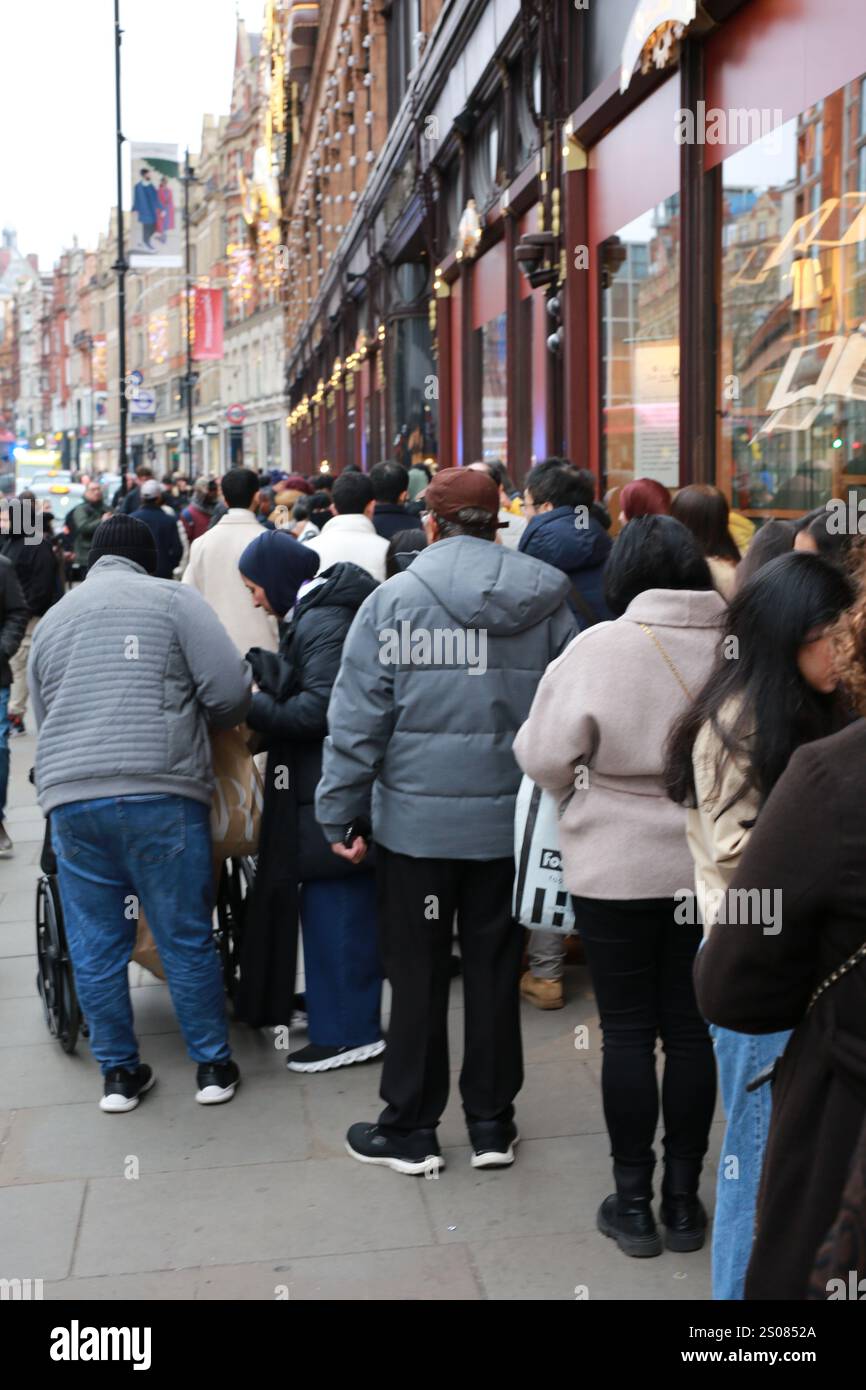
<point>57,114</point>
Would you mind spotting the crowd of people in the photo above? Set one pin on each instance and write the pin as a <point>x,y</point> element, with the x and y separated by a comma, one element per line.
<point>400,650</point>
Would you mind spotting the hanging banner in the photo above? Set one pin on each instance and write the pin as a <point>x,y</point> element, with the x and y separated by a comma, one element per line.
<point>208,324</point>
<point>99,362</point>
<point>156,201</point>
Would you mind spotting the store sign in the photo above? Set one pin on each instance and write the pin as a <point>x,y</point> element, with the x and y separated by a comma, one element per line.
<point>653,35</point>
<point>208,324</point>
<point>143,404</point>
<point>236,415</point>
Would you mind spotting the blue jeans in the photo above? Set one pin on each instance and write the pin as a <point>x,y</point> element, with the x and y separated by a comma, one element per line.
<point>341,960</point>
<point>4,749</point>
<point>115,853</point>
<point>739,1057</point>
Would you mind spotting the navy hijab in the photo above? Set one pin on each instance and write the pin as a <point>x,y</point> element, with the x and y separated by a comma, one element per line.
<point>279,564</point>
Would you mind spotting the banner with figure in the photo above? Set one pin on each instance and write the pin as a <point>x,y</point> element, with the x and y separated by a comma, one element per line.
<point>157,216</point>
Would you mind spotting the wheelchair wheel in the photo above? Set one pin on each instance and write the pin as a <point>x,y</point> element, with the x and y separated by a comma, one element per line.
<point>55,980</point>
<point>235,886</point>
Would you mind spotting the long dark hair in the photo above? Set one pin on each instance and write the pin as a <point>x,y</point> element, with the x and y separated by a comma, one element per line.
<point>766,624</point>
<point>653,552</point>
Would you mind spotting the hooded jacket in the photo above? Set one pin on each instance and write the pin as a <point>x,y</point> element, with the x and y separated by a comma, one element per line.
<point>438,673</point>
<point>579,551</point>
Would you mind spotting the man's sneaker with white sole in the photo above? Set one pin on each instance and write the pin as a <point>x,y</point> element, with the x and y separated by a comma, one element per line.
<point>123,1089</point>
<point>217,1082</point>
<point>414,1153</point>
<point>313,1058</point>
<point>492,1143</point>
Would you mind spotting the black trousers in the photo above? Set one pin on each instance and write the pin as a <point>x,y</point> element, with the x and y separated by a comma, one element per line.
<point>418,899</point>
<point>641,964</point>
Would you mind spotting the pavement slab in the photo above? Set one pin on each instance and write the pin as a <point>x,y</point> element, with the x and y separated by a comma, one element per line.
<point>258,1199</point>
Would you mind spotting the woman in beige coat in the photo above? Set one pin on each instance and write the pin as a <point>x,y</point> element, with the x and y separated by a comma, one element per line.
<point>595,737</point>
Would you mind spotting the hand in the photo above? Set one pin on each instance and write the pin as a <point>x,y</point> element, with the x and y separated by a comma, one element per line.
<point>355,854</point>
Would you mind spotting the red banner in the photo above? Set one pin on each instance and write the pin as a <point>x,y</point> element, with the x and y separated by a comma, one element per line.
<point>208,324</point>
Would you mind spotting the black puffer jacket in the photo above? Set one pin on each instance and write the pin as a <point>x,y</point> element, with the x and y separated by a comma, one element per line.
<point>290,710</point>
<point>13,618</point>
<point>36,568</point>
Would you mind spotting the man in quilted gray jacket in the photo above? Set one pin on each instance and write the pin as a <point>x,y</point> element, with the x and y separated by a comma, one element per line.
<point>127,674</point>
<point>439,670</point>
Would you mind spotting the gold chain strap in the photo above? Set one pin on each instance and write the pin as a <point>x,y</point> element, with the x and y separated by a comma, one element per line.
<point>849,964</point>
<point>668,660</point>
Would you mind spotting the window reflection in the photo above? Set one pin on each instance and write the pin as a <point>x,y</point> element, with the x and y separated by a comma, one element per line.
<point>793,314</point>
<point>641,348</point>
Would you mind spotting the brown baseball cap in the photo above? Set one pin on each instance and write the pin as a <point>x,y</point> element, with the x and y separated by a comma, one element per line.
<point>455,488</point>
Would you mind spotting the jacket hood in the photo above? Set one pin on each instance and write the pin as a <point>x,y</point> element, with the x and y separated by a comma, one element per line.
<point>554,537</point>
<point>346,586</point>
<point>484,585</point>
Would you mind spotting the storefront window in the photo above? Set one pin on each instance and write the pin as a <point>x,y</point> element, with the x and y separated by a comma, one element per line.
<point>415,391</point>
<point>272,444</point>
<point>793,322</point>
<point>640,304</point>
<point>494,390</point>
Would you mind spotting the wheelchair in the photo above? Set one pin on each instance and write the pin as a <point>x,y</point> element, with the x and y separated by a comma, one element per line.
<point>55,980</point>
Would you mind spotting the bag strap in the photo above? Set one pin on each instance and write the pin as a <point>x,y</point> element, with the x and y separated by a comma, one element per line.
<point>526,846</point>
<point>843,969</point>
<point>579,602</point>
<point>672,666</point>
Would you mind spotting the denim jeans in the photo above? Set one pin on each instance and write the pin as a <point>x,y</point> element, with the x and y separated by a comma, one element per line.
<point>117,852</point>
<point>341,960</point>
<point>739,1057</point>
<point>4,750</point>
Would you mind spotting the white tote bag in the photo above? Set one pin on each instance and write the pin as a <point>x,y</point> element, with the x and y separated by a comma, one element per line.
<point>541,900</point>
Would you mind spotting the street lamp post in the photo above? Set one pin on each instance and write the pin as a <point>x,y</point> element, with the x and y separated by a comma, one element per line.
<point>191,376</point>
<point>120,266</point>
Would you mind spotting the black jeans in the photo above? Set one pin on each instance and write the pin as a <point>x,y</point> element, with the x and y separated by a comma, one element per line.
<point>417,902</point>
<point>641,964</point>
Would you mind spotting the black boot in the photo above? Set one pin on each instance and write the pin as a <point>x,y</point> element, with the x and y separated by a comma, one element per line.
<point>682,1212</point>
<point>626,1216</point>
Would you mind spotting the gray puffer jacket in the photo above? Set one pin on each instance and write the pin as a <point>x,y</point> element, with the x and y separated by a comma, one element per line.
<point>430,735</point>
<point>127,673</point>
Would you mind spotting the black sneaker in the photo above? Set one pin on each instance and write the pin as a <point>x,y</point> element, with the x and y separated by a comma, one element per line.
<point>217,1082</point>
<point>6,846</point>
<point>492,1143</point>
<point>299,1012</point>
<point>313,1058</point>
<point>417,1152</point>
<point>124,1089</point>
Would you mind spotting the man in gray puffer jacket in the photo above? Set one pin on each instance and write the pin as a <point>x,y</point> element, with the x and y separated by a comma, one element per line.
<point>439,670</point>
<point>127,674</point>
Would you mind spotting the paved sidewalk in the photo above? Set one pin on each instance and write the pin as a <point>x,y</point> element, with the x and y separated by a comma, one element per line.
<point>240,1201</point>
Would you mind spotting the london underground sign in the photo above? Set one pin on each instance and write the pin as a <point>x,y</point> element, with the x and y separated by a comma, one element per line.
<point>236,415</point>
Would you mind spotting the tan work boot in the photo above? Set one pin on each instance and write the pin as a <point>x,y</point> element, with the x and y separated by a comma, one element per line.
<point>544,994</point>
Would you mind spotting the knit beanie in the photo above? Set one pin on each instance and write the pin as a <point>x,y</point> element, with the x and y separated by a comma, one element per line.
<point>123,535</point>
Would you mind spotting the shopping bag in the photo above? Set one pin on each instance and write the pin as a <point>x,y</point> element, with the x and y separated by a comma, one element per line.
<point>144,952</point>
<point>541,900</point>
<point>236,812</point>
